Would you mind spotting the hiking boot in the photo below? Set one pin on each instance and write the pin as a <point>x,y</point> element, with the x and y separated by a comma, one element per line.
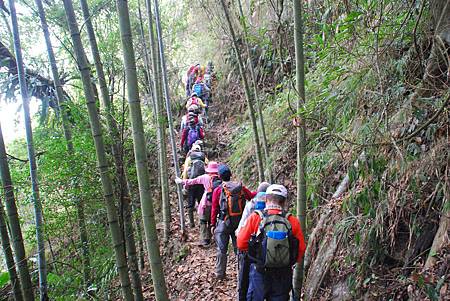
<point>221,277</point>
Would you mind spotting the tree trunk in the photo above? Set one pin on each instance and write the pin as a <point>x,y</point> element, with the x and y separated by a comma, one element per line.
<point>135,205</point>
<point>68,136</point>
<point>165,85</point>
<point>9,259</point>
<point>118,161</point>
<point>140,152</point>
<point>440,11</point>
<point>147,64</point>
<point>437,67</point>
<point>301,139</point>
<point>14,224</point>
<point>161,125</point>
<point>139,238</point>
<point>42,265</point>
<point>256,95</point>
<point>102,161</point>
<point>259,161</point>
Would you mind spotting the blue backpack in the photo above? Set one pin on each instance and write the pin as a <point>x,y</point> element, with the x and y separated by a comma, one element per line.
<point>198,89</point>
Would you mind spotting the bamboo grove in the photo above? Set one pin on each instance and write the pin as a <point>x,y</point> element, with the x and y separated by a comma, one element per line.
<point>345,104</point>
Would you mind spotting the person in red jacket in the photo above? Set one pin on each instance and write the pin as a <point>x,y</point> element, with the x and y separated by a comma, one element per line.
<point>228,202</point>
<point>270,283</point>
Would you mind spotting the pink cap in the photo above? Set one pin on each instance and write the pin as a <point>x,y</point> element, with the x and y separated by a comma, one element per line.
<point>213,167</point>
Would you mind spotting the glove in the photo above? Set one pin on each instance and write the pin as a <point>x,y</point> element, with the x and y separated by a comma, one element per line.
<point>213,229</point>
<point>178,180</point>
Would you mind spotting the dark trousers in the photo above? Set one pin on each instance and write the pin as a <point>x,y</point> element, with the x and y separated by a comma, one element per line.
<point>195,193</point>
<point>269,285</point>
<point>244,270</point>
<point>222,236</point>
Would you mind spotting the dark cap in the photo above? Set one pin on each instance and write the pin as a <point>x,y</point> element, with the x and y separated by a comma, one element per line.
<point>224,172</point>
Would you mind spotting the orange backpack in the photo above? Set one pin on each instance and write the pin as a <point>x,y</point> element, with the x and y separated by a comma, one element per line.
<point>232,203</point>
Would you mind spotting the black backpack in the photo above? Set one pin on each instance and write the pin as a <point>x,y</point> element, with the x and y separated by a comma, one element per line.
<point>274,246</point>
<point>215,182</point>
<point>232,203</point>
<point>197,167</point>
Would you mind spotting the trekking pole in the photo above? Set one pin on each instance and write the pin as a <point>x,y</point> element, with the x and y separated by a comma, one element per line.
<point>169,116</point>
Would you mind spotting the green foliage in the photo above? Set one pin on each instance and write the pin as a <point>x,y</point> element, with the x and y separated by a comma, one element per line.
<point>4,279</point>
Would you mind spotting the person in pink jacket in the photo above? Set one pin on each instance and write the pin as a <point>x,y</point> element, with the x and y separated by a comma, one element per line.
<point>210,181</point>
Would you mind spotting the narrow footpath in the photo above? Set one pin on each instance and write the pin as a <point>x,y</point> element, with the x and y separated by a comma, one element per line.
<point>189,268</point>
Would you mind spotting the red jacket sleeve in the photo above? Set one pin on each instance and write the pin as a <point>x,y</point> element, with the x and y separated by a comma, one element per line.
<point>298,233</point>
<point>202,133</point>
<point>250,227</point>
<point>248,194</point>
<point>215,205</point>
<point>183,137</point>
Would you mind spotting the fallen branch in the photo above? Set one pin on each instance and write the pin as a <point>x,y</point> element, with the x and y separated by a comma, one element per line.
<point>23,160</point>
<point>321,265</point>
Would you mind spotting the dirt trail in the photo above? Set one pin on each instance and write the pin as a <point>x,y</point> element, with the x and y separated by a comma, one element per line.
<point>192,277</point>
<point>189,267</point>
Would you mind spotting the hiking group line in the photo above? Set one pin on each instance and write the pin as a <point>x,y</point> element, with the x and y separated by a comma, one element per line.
<point>267,239</point>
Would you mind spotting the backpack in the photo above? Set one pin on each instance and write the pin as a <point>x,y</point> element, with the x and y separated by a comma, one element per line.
<point>198,89</point>
<point>232,204</point>
<point>214,182</point>
<point>197,164</point>
<point>260,205</point>
<point>191,119</point>
<point>192,135</point>
<point>274,246</point>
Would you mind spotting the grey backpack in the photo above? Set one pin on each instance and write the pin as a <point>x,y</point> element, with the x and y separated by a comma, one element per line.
<point>274,246</point>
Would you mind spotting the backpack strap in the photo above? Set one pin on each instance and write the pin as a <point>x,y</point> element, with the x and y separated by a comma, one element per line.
<point>282,214</point>
<point>211,183</point>
<point>223,206</point>
<point>260,213</point>
<point>286,216</point>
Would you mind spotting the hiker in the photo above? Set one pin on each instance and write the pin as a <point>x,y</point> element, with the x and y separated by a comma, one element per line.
<point>274,242</point>
<point>195,100</point>
<point>191,133</point>
<point>191,116</point>
<point>201,90</point>
<point>228,201</point>
<point>210,181</point>
<point>202,71</point>
<point>191,77</point>
<point>257,203</point>
<point>194,166</point>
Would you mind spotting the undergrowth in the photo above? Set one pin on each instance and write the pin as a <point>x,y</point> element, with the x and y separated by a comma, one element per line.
<point>361,104</point>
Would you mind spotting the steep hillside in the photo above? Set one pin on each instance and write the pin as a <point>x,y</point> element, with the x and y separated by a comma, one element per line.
<point>377,172</point>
